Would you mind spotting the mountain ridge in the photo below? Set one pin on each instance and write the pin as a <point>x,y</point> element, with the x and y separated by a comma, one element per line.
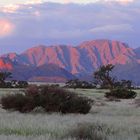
<point>83,59</point>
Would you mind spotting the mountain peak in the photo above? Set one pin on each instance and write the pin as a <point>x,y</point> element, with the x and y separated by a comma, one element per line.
<point>38,47</point>
<point>101,42</point>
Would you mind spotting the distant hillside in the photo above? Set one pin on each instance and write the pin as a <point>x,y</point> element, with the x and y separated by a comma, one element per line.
<point>129,71</point>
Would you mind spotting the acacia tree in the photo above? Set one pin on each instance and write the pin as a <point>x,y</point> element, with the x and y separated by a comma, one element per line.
<point>103,77</point>
<point>118,89</point>
<point>3,77</point>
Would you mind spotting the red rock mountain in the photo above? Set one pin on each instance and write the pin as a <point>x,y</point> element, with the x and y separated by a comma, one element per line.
<point>84,58</point>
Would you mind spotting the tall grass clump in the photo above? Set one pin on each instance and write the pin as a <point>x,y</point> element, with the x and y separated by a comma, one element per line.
<point>87,131</point>
<point>49,98</point>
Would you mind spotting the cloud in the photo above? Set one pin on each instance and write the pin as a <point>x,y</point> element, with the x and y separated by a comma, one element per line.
<point>89,1</point>
<point>70,23</point>
<point>10,8</point>
<point>121,2</point>
<point>73,1</point>
<point>6,27</point>
<point>33,2</point>
<point>14,7</point>
<point>16,2</point>
<point>112,28</point>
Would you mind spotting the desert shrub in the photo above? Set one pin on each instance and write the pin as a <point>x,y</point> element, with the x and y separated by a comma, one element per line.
<point>50,98</point>
<point>76,105</point>
<point>88,131</point>
<point>8,85</point>
<point>76,83</point>
<point>121,93</point>
<point>18,102</point>
<point>21,84</point>
<point>32,90</point>
<point>64,101</point>
<point>49,85</point>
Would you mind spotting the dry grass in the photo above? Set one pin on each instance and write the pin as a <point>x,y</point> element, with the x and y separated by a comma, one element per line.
<point>116,120</point>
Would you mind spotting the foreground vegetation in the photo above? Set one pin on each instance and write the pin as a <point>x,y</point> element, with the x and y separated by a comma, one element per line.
<point>50,99</point>
<point>74,113</point>
<point>107,120</point>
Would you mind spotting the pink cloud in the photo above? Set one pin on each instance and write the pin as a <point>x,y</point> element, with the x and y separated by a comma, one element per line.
<point>37,14</point>
<point>33,2</point>
<point>6,27</point>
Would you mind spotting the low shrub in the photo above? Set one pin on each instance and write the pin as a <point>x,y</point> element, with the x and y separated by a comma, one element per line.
<point>50,98</point>
<point>18,102</point>
<point>88,131</point>
<point>79,84</point>
<point>32,90</point>
<point>22,84</point>
<point>64,101</point>
<point>14,84</point>
<point>121,93</point>
<point>8,85</point>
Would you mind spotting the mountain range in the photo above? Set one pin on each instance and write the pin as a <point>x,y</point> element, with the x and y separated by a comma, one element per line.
<point>62,62</point>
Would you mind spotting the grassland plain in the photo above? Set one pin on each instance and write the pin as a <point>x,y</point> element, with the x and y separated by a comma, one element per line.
<point>107,120</point>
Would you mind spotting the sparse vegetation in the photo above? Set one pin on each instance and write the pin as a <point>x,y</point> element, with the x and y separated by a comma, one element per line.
<point>76,83</point>
<point>112,121</point>
<point>121,93</point>
<point>103,122</point>
<point>3,77</point>
<point>11,84</point>
<point>50,98</point>
<point>118,89</point>
<point>17,102</point>
<point>87,131</point>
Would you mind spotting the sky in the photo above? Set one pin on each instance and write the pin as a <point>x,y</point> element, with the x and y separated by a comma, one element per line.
<point>27,23</point>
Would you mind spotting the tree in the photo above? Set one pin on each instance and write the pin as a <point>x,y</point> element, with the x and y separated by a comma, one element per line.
<point>118,89</point>
<point>73,83</point>
<point>103,77</point>
<point>3,77</point>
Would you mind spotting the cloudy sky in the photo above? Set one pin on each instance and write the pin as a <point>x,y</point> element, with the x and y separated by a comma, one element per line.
<point>27,23</point>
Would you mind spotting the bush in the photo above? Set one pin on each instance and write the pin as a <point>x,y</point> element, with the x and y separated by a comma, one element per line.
<point>88,131</point>
<point>50,98</point>
<point>121,93</point>
<point>14,84</point>
<point>8,85</point>
<point>22,84</point>
<point>60,100</point>
<point>79,84</point>
<point>18,102</point>
<point>32,90</point>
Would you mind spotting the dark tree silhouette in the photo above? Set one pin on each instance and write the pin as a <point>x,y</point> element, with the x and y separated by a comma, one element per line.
<point>103,77</point>
<point>76,83</point>
<point>3,77</point>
